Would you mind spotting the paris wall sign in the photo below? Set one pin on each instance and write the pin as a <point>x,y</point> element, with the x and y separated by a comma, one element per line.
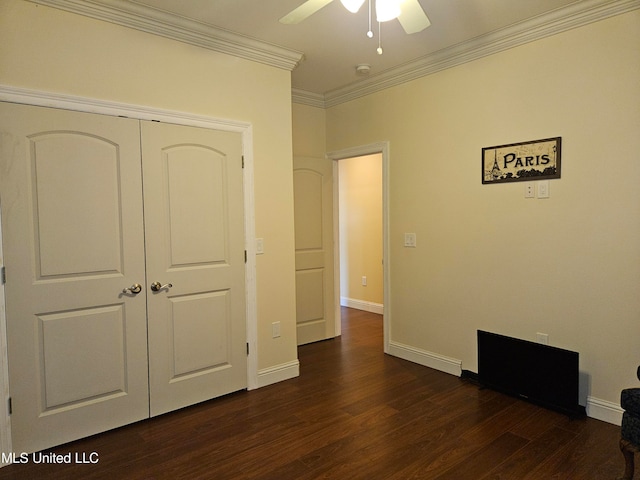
<point>525,161</point>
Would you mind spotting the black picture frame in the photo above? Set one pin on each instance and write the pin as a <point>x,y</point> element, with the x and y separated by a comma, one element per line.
<point>524,161</point>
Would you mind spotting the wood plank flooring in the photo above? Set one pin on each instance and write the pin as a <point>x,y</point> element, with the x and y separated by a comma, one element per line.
<point>354,413</point>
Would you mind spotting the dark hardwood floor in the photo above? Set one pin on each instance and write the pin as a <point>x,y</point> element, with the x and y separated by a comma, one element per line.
<point>354,413</point>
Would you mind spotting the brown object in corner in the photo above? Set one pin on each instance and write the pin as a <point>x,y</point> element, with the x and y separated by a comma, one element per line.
<point>628,449</point>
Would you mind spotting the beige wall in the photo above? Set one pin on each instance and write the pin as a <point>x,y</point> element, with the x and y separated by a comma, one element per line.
<point>360,194</point>
<point>309,131</point>
<point>50,50</point>
<point>488,258</point>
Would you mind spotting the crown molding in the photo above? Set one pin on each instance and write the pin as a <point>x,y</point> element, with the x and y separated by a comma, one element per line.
<point>159,22</point>
<point>307,98</point>
<point>551,23</point>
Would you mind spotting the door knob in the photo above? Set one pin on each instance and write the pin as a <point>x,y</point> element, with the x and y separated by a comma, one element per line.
<point>157,286</point>
<point>136,288</point>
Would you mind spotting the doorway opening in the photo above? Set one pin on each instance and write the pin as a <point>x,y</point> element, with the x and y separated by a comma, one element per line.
<point>360,227</point>
<point>361,161</point>
<point>317,227</point>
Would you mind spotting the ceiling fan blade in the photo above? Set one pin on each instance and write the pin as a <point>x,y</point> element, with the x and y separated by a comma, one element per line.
<point>413,19</point>
<point>305,10</point>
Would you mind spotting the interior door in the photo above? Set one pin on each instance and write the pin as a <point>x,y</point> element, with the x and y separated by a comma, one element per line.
<point>74,255</point>
<point>194,224</point>
<point>313,205</point>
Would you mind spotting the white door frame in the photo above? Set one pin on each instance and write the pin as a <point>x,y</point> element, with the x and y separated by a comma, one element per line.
<point>138,112</point>
<point>5,422</point>
<point>370,149</point>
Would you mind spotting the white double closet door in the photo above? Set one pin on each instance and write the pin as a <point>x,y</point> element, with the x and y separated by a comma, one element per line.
<point>95,211</point>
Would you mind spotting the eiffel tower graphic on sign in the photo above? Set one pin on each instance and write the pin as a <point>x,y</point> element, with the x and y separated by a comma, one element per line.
<point>495,173</point>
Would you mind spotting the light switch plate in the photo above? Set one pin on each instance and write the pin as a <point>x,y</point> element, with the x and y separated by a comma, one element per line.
<point>410,240</point>
<point>543,189</point>
<point>275,329</point>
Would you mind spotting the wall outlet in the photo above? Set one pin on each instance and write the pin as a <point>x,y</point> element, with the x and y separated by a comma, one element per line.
<point>542,338</point>
<point>364,281</point>
<point>529,190</point>
<point>275,329</point>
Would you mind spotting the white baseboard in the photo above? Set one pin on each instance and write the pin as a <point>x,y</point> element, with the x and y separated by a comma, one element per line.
<point>278,373</point>
<point>596,408</point>
<point>428,359</point>
<point>362,305</point>
<point>603,410</point>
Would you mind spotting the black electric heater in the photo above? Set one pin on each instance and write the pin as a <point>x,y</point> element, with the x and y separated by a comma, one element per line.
<point>542,374</point>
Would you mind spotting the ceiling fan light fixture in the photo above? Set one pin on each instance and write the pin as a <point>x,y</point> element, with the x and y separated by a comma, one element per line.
<point>387,10</point>
<point>352,5</point>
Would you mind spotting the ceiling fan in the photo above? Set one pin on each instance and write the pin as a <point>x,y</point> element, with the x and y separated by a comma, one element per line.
<point>408,12</point>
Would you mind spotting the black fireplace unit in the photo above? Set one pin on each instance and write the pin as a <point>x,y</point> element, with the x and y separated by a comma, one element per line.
<point>541,374</point>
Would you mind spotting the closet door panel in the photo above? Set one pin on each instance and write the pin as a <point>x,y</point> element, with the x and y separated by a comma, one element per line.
<point>73,241</point>
<point>194,222</point>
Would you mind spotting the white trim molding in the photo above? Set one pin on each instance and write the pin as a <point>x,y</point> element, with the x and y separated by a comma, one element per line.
<point>436,361</point>
<point>278,373</point>
<point>105,107</point>
<point>362,305</point>
<point>302,97</point>
<point>596,408</point>
<point>5,419</point>
<point>603,410</point>
<point>382,148</point>
<point>158,22</point>
<point>551,23</point>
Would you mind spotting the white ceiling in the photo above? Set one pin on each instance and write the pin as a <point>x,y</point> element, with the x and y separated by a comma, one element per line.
<point>334,40</point>
<point>324,49</point>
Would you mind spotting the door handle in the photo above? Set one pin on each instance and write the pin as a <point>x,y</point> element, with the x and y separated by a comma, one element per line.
<point>136,288</point>
<point>157,286</point>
